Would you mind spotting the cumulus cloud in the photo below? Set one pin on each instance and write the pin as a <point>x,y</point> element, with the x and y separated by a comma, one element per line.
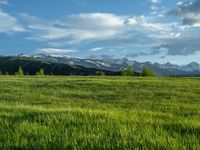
<point>56,51</point>
<point>9,24</point>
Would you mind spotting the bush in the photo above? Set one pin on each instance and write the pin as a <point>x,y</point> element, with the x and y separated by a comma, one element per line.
<point>147,72</point>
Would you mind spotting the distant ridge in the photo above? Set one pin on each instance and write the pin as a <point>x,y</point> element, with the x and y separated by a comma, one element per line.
<point>66,65</point>
<point>31,65</point>
<point>192,69</point>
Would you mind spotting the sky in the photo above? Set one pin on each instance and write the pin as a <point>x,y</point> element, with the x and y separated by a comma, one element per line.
<point>142,30</point>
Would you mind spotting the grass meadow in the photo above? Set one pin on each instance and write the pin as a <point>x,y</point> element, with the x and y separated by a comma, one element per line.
<point>99,113</point>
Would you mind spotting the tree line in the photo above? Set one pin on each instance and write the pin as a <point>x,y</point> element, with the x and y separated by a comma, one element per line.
<point>128,72</point>
<point>20,72</point>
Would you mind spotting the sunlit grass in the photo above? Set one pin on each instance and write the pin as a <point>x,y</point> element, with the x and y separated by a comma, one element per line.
<point>99,113</point>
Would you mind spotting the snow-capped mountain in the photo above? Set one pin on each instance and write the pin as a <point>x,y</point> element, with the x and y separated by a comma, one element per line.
<point>192,69</point>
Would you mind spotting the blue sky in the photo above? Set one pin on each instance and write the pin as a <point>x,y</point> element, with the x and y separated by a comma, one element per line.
<point>143,30</point>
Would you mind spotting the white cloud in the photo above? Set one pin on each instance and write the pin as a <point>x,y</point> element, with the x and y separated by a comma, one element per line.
<point>154,7</point>
<point>96,49</point>
<point>111,31</point>
<point>106,31</point>
<point>56,51</point>
<point>76,28</point>
<point>155,1</point>
<point>9,24</point>
<point>94,27</point>
<point>154,26</point>
<point>175,35</point>
<point>180,3</point>
<point>131,21</point>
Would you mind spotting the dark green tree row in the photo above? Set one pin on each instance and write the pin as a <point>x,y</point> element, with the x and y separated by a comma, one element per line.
<point>129,72</point>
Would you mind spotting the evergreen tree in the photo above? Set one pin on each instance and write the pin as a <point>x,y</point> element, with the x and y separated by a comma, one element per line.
<point>147,72</point>
<point>20,71</point>
<point>40,72</point>
<point>173,75</point>
<point>128,72</point>
<point>100,73</point>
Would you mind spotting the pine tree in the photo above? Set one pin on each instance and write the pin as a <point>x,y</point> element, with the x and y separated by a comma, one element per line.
<point>128,72</point>
<point>147,72</point>
<point>100,73</point>
<point>20,71</point>
<point>40,72</point>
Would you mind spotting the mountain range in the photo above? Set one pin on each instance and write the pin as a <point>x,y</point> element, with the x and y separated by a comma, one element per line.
<point>116,65</point>
<point>63,65</point>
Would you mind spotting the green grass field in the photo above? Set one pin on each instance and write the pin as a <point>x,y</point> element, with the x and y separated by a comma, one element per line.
<point>99,113</point>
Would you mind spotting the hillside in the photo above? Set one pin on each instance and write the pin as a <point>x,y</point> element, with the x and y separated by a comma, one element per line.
<point>32,65</point>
